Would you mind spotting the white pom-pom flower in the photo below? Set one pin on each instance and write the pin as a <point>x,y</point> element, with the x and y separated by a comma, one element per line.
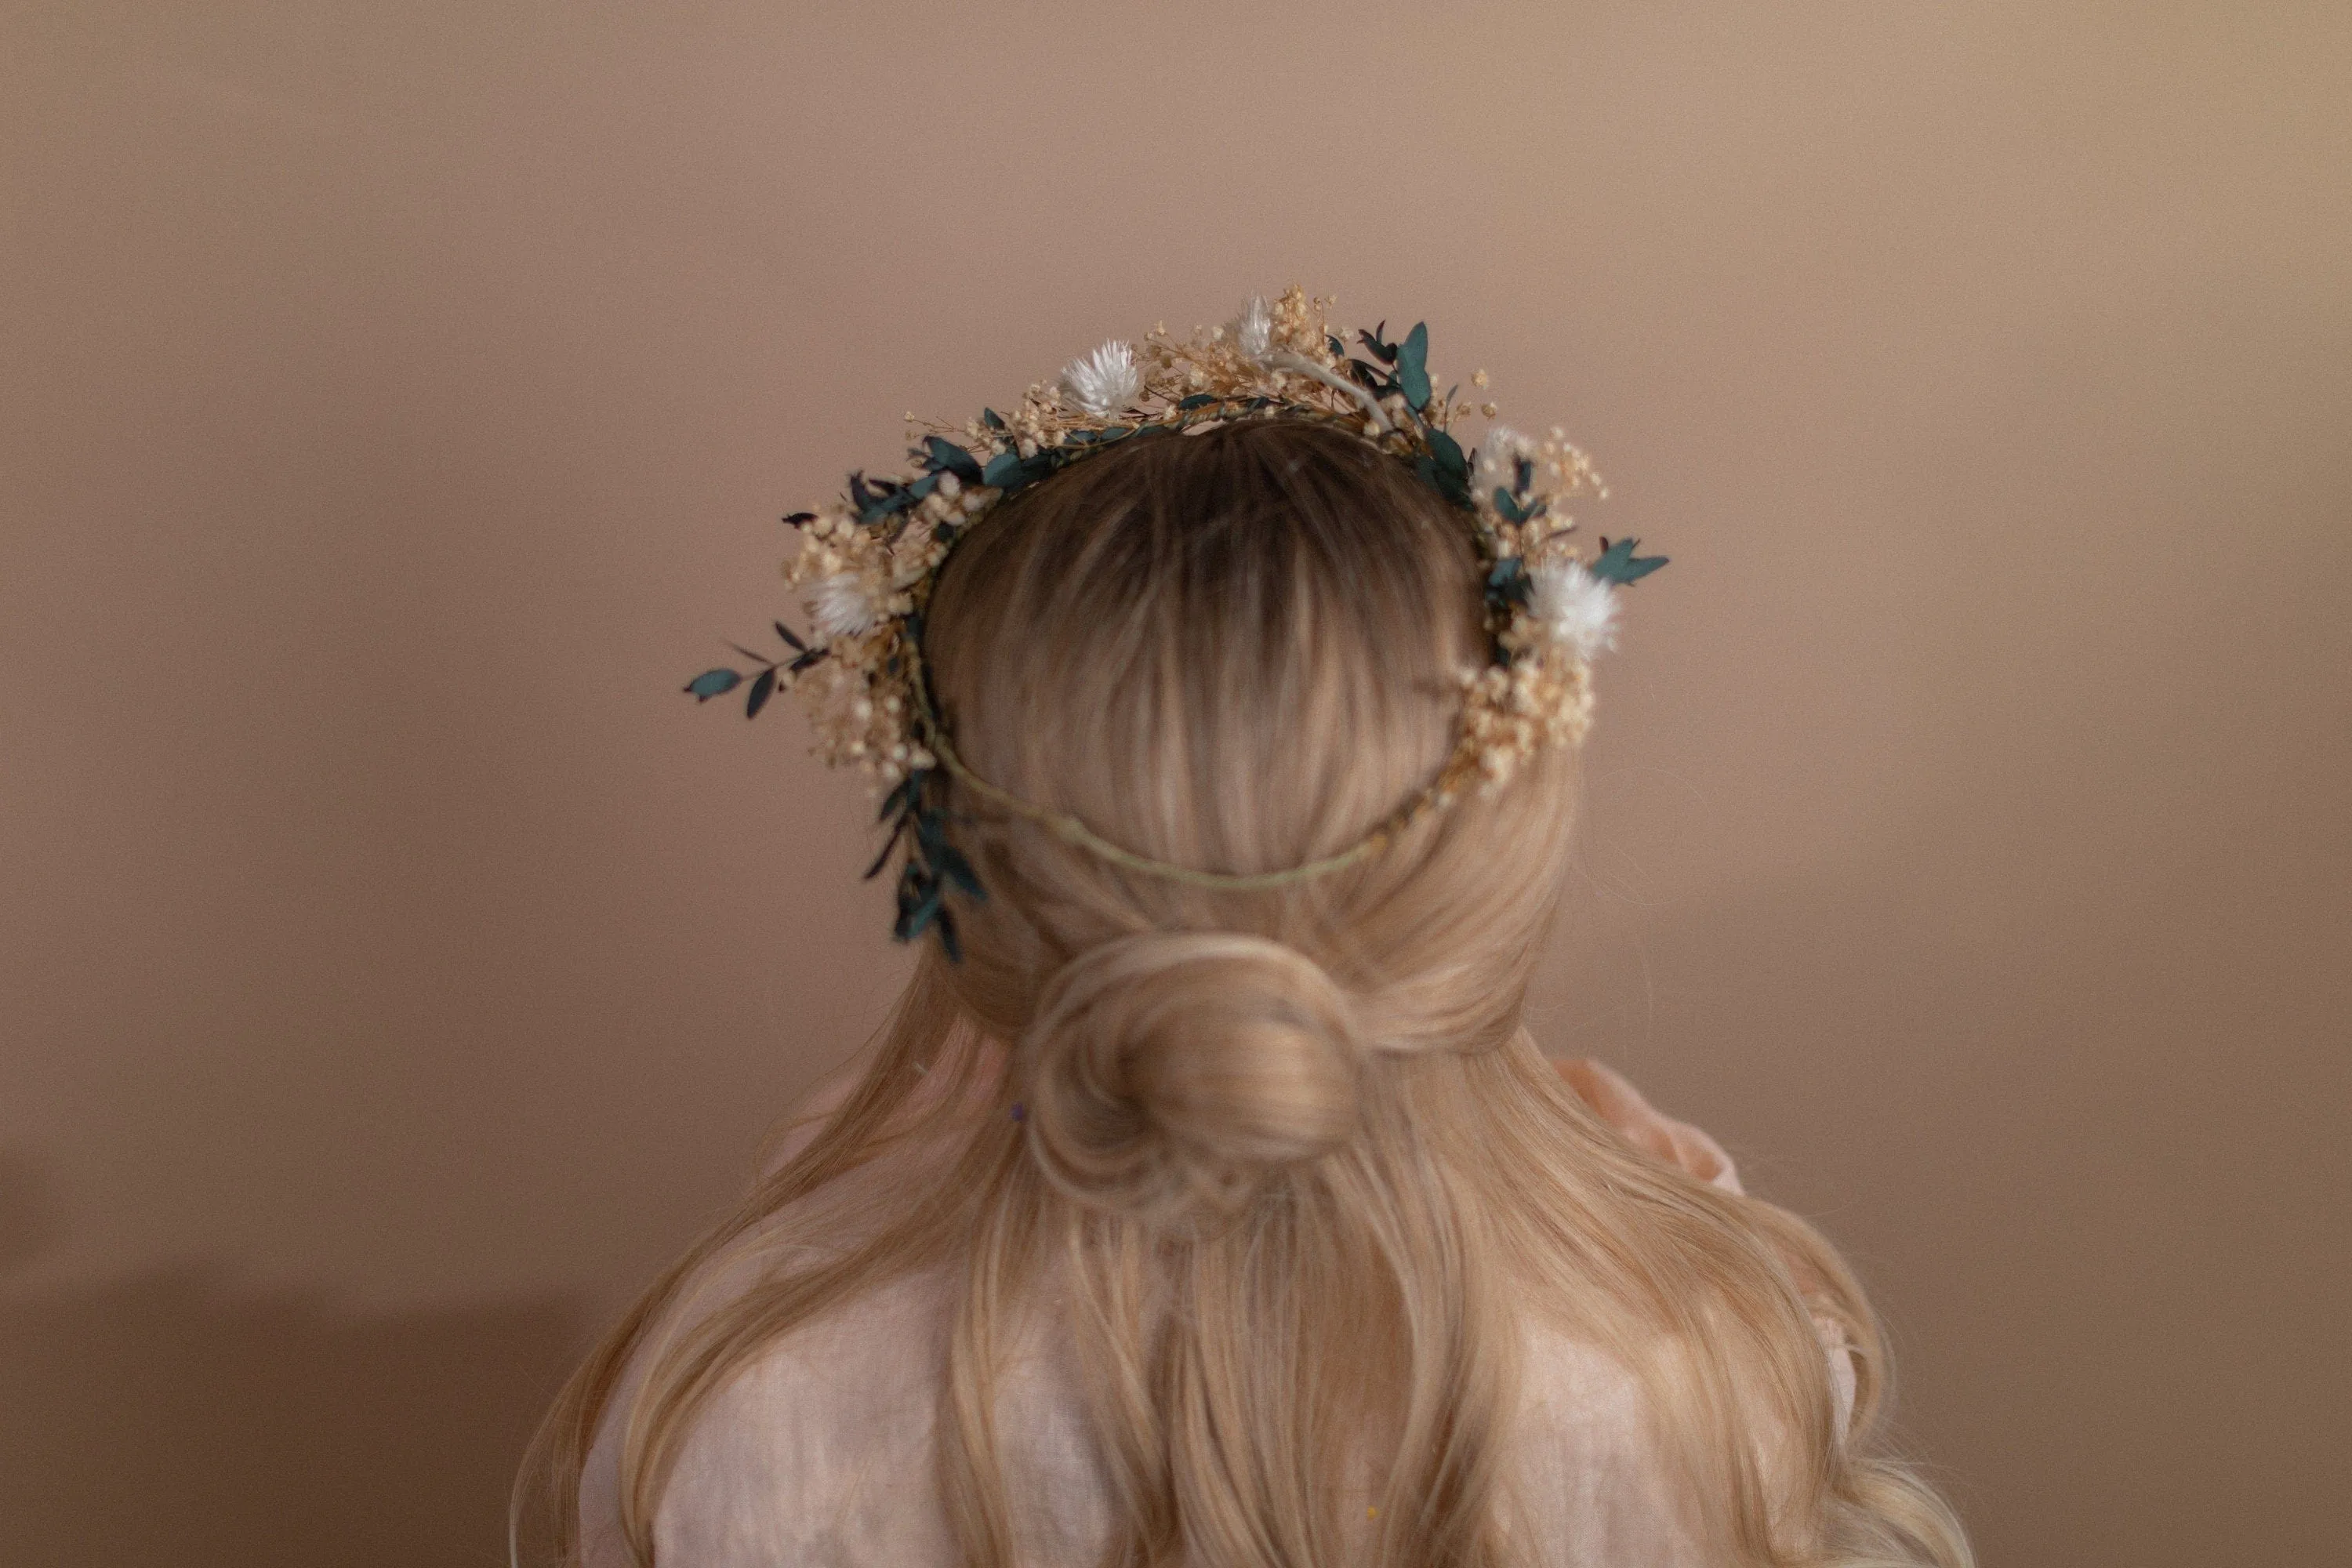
<point>1105,381</point>
<point>1574,608</point>
<point>1254,330</point>
<point>841,604</point>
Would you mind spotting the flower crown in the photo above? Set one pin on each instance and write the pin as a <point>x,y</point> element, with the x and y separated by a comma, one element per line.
<point>870,557</point>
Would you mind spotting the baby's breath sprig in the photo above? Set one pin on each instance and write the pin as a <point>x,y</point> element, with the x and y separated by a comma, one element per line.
<point>868,558</point>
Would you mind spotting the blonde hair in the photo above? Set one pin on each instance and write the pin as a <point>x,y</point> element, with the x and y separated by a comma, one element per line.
<point>1268,1139</point>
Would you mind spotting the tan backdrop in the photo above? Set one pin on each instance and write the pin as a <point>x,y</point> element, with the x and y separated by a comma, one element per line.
<point>399,403</point>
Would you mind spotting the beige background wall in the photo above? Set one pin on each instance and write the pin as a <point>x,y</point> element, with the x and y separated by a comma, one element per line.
<point>396,402</point>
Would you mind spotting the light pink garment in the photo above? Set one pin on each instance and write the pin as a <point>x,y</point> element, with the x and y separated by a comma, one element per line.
<point>818,1454</point>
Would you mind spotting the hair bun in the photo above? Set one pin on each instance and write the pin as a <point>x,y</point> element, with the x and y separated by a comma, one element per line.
<point>1172,1073</point>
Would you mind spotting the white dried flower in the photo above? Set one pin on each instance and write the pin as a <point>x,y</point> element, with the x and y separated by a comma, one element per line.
<point>1105,381</point>
<point>1254,330</point>
<point>841,604</point>
<point>1574,607</point>
<point>1498,455</point>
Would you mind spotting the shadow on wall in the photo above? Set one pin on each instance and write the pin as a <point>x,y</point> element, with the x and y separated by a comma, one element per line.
<point>173,1419</point>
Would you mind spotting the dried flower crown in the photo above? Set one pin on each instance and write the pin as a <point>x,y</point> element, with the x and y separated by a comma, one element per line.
<point>870,557</point>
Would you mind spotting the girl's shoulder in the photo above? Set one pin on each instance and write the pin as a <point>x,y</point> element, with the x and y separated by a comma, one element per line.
<point>818,1448</point>
<point>822,1447</point>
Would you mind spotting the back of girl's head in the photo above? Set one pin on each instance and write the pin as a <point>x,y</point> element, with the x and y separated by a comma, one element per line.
<point>1236,651</point>
<point>1241,650</point>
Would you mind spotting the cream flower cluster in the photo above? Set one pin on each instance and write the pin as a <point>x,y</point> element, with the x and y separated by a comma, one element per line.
<point>867,558</point>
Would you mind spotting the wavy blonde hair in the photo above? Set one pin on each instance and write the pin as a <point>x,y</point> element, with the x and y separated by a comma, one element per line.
<point>1301,1176</point>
